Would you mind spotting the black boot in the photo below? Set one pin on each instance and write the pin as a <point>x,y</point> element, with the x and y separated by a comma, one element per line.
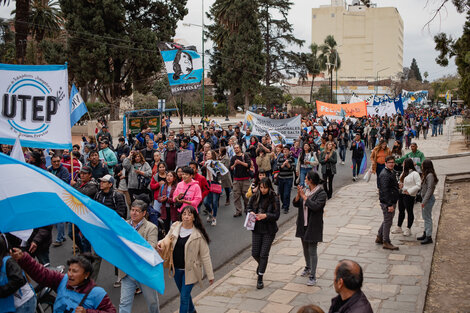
<point>422,237</point>
<point>259,284</point>
<point>427,240</point>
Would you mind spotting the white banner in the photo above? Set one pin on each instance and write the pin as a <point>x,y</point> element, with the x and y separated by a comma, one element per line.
<point>259,125</point>
<point>380,110</point>
<point>35,106</point>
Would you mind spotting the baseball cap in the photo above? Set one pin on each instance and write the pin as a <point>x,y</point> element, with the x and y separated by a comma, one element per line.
<point>107,178</point>
<point>86,169</point>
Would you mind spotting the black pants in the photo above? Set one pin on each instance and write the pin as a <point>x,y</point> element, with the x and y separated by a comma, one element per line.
<point>261,244</point>
<point>406,202</point>
<point>328,183</point>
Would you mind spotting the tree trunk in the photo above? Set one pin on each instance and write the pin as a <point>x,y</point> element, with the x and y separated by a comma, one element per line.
<point>247,100</point>
<point>231,100</point>
<point>21,29</point>
<point>114,110</point>
<point>268,50</point>
<point>311,90</point>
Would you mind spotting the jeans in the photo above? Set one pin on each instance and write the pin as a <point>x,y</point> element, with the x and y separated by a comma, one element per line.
<point>328,183</point>
<point>240,187</point>
<point>407,203</point>
<point>284,190</point>
<point>228,190</point>
<point>303,173</point>
<point>378,170</point>
<point>342,153</point>
<point>211,202</point>
<point>29,306</point>
<point>356,167</point>
<point>186,302</point>
<point>440,129</point>
<point>60,232</point>
<point>425,132</point>
<point>434,130</point>
<point>399,138</point>
<point>311,257</point>
<point>261,245</point>
<point>128,287</point>
<point>426,211</point>
<point>384,229</point>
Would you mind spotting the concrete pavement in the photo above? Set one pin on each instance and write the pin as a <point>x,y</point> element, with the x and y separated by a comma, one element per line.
<point>393,281</point>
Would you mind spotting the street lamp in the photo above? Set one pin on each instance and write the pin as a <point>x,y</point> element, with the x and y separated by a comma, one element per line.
<point>377,79</point>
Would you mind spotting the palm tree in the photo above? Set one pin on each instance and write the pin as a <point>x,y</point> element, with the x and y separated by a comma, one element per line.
<point>316,64</point>
<point>329,53</point>
<point>46,19</point>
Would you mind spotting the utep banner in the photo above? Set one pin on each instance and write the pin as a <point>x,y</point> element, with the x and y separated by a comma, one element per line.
<point>357,109</point>
<point>259,125</point>
<point>35,106</point>
<point>183,66</point>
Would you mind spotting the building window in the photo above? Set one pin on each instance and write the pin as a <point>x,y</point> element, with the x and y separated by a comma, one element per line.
<point>332,15</point>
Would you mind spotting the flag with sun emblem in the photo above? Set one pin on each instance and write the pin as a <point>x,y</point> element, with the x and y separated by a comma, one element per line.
<point>31,197</point>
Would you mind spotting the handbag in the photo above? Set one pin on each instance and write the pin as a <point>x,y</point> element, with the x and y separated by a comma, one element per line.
<point>167,255</point>
<point>178,205</point>
<point>215,188</point>
<point>368,175</point>
<point>142,182</point>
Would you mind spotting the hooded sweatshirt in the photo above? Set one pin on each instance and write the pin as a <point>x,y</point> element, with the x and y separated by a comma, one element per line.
<point>193,193</point>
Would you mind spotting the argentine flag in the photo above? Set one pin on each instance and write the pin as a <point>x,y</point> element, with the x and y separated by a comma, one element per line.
<point>31,197</point>
<point>77,106</point>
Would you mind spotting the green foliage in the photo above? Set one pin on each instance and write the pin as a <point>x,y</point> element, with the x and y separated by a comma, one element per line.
<point>299,102</point>
<point>145,101</point>
<point>414,71</point>
<point>272,97</point>
<point>323,94</point>
<point>46,19</point>
<point>161,89</point>
<point>329,55</point>
<point>7,44</point>
<point>97,109</point>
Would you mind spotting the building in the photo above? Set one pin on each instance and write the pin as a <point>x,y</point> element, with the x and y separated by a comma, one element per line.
<point>369,38</point>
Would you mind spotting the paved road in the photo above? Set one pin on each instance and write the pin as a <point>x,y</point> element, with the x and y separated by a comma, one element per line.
<point>228,248</point>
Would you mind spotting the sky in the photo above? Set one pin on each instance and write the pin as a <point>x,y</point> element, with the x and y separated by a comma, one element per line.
<point>418,39</point>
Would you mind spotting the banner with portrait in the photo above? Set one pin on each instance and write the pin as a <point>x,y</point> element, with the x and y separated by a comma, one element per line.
<point>183,66</point>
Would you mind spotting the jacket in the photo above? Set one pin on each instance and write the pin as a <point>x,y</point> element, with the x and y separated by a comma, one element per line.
<point>357,150</point>
<point>133,181</point>
<point>110,158</point>
<point>374,156</point>
<point>388,187</point>
<point>227,178</point>
<point>427,188</point>
<point>90,189</point>
<point>149,232</point>
<point>196,254</point>
<point>272,211</point>
<point>358,303</point>
<point>315,204</point>
<point>99,170</point>
<point>61,172</point>
<point>42,237</point>
<point>15,278</point>
<point>113,200</point>
<point>193,193</point>
<point>412,183</point>
<point>264,162</point>
<point>331,162</point>
<point>203,184</point>
<point>51,278</point>
<point>286,171</point>
<point>162,190</point>
<point>414,156</point>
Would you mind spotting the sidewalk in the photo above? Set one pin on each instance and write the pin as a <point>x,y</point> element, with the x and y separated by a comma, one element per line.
<point>393,281</point>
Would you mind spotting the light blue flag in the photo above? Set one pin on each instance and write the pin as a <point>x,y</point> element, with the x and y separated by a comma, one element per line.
<point>77,106</point>
<point>32,197</point>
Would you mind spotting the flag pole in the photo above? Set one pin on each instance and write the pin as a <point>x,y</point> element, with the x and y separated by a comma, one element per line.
<point>73,225</point>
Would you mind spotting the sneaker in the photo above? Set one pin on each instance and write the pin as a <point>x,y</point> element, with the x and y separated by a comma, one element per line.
<point>407,232</point>
<point>286,211</point>
<point>214,222</point>
<point>354,178</point>
<point>237,214</point>
<point>342,162</point>
<point>209,219</point>
<point>311,281</point>
<point>138,291</point>
<point>305,272</point>
<point>57,243</point>
<point>117,284</point>
<point>227,203</point>
<point>397,230</point>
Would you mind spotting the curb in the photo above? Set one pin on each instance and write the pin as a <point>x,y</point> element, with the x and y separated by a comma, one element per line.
<point>449,156</point>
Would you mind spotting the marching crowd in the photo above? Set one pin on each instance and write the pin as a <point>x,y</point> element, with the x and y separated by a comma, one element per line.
<point>164,183</point>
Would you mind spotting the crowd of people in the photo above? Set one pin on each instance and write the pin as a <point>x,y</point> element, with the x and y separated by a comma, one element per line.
<point>164,183</point>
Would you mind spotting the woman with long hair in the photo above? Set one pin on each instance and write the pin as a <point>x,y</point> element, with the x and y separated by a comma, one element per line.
<point>429,182</point>
<point>16,294</point>
<point>265,206</point>
<point>397,152</point>
<point>162,169</point>
<point>255,184</point>
<point>139,173</point>
<point>377,158</point>
<point>307,161</point>
<point>165,199</point>
<point>251,151</point>
<point>311,202</point>
<point>190,244</point>
<point>157,158</point>
<point>227,178</point>
<point>214,177</point>
<point>179,174</point>
<point>410,184</point>
<point>328,160</point>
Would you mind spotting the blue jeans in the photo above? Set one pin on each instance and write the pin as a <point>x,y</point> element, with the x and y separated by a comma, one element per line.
<point>427,215</point>
<point>434,130</point>
<point>60,232</point>
<point>28,307</point>
<point>186,302</point>
<point>440,129</point>
<point>128,287</point>
<point>211,202</point>
<point>342,153</point>
<point>303,174</point>
<point>356,167</point>
<point>285,187</point>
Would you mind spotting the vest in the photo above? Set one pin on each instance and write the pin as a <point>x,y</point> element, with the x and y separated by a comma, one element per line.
<point>6,304</point>
<point>67,300</point>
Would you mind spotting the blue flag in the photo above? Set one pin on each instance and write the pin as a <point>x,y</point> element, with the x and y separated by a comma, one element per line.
<point>399,104</point>
<point>32,197</point>
<point>77,106</point>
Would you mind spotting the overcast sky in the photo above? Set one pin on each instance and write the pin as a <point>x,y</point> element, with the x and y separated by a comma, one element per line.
<point>418,41</point>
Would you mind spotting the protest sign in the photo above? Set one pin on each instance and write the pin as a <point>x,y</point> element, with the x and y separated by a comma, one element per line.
<point>35,106</point>
<point>259,125</point>
<point>277,138</point>
<point>183,158</point>
<point>357,109</point>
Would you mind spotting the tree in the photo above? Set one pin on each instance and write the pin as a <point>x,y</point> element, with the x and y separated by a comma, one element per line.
<point>426,75</point>
<point>312,64</point>
<point>299,102</point>
<point>329,53</point>
<point>414,71</point>
<point>7,45</point>
<point>276,32</point>
<point>112,44</point>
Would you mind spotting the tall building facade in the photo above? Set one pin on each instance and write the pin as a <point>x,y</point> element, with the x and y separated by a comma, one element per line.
<point>370,39</point>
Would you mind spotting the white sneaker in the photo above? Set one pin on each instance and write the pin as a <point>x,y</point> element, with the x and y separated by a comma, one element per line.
<point>342,162</point>
<point>209,218</point>
<point>214,222</point>
<point>354,178</point>
<point>397,230</point>
<point>407,232</point>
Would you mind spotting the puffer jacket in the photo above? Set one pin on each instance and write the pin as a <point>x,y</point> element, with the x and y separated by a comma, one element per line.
<point>388,187</point>
<point>133,181</point>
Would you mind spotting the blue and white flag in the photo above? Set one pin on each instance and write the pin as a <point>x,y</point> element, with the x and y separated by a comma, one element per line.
<point>277,138</point>
<point>77,106</point>
<point>31,197</point>
<point>183,66</point>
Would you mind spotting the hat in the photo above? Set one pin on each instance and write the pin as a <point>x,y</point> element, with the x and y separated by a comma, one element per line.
<point>108,178</point>
<point>86,169</point>
<point>105,141</point>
